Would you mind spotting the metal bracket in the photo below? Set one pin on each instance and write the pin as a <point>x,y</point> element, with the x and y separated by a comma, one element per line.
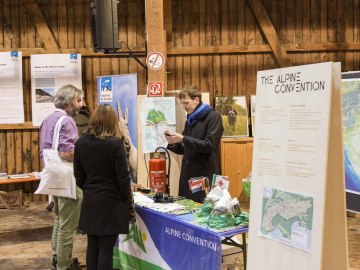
<point>131,53</point>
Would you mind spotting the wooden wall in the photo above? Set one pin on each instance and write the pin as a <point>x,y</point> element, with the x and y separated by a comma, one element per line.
<point>310,30</point>
<point>216,44</point>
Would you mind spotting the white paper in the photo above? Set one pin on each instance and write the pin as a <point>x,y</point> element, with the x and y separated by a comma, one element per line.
<point>49,72</point>
<point>157,115</point>
<point>11,88</point>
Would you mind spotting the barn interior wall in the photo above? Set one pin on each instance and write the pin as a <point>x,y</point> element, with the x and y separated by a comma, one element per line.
<point>310,30</point>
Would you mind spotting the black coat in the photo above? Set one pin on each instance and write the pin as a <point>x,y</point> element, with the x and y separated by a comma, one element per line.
<point>200,149</point>
<point>101,171</point>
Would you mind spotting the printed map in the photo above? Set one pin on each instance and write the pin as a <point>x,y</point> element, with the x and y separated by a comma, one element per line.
<point>287,217</point>
<point>351,126</point>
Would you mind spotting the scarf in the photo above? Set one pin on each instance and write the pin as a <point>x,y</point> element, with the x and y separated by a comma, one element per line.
<point>199,113</point>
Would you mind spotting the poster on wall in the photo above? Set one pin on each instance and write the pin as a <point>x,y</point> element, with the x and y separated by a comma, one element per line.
<point>252,107</point>
<point>351,135</point>
<point>49,72</point>
<point>157,116</point>
<point>11,88</point>
<point>233,111</point>
<point>120,91</point>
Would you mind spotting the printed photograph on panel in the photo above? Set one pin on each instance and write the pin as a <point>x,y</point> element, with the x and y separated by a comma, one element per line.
<point>234,115</point>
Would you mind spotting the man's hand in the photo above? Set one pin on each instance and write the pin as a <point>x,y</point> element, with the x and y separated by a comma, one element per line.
<point>174,138</point>
<point>68,156</point>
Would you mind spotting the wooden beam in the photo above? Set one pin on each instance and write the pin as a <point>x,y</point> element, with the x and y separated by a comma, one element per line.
<point>280,56</point>
<point>265,48</point>
<point>200,50</point>
<point>219,49</point>
<point>50,42</point>
<point>122,53</point>
<point>168,20</point>
<point>26,125</point>
<point>322,47</point>
<point>156,37</point>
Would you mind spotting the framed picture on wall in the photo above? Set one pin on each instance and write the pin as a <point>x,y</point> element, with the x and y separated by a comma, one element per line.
<point>252,113</point>
<point>234,115</point>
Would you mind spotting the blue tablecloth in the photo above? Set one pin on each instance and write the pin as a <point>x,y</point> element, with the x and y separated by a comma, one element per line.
<point>163,241</point>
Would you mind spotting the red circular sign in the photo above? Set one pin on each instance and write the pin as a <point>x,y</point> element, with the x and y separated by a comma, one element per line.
<point>155,61</point>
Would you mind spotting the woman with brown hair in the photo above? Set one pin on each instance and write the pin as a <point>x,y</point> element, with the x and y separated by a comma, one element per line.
<point>101,171</point>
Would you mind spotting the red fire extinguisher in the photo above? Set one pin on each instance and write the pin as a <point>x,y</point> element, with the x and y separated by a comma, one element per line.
<point>157,172</point>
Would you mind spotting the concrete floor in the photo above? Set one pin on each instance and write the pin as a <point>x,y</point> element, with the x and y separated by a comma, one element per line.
<point>25,239</point>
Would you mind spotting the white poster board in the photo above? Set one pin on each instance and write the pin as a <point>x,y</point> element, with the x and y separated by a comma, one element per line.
<point>176,160</point>
<point>157,115</point>
<point>290,200</point>
<point>49,72</point>
<point>11,88</point>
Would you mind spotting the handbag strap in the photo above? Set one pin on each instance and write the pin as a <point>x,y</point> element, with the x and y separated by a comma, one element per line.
<point>56,136</point>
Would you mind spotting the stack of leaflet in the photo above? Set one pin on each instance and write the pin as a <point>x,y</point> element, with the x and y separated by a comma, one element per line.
<point>19,176</point>
<point>3,176</point>
<point>144,201</point>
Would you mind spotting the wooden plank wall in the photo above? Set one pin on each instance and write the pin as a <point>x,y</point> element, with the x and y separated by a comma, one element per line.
<point>216,44</point>
<point>70,23</point>
<point>302,25</point>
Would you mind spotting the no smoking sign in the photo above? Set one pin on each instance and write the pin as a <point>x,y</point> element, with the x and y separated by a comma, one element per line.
<point>155,61</point>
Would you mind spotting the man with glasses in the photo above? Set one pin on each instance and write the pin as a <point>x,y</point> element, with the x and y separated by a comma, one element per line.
<point>198,143</point>
<point>68,101</point>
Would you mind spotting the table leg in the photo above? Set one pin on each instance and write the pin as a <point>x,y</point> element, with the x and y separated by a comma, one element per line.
<point>244,249</point>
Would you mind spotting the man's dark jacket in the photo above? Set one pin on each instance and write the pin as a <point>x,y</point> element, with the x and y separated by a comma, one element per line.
<point>200,149</point>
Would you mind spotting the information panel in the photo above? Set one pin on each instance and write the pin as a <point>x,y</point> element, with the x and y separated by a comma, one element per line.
<point>291,180</point>
<point>49,72</point>
<point>11,88</point>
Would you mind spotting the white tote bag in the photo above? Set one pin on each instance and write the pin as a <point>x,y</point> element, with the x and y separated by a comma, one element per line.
<point>57,176</point>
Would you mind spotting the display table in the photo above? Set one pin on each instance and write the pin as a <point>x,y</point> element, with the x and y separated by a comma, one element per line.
<point>19,180</point>
<point>164,241</point>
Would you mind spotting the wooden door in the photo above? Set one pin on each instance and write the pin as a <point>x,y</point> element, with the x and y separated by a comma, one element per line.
<point>236,161</point>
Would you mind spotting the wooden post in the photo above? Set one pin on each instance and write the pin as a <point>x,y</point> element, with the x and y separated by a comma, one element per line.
<point>156,38</point>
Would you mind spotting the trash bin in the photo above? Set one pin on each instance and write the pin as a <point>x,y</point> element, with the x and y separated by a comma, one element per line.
<point>247,188</point>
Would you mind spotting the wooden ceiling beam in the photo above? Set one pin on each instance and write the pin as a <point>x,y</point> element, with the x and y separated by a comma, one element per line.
<point>50,42</point>
<point>280,56</point>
